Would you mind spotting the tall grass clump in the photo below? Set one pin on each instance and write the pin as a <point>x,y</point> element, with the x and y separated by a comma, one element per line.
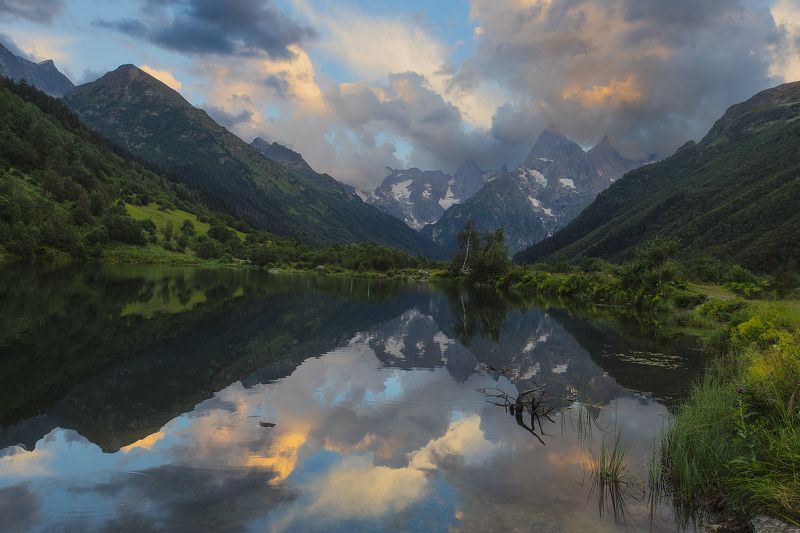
<point>735,443</point>
<point>611,479</point>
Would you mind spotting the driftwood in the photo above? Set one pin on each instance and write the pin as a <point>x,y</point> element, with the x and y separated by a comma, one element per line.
<point>530,402</point>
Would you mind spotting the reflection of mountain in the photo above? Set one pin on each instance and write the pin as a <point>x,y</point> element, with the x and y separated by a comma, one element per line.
<point>565,353</point>
<point>253,337</point>
<point>117,353</point>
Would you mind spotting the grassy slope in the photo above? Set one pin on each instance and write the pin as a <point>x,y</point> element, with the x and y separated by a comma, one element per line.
<point>161,217</point>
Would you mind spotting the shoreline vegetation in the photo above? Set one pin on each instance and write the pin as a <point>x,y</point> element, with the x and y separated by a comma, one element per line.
<point>732,448</point>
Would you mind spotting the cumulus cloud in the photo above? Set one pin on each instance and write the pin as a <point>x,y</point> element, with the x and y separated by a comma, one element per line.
<point>41,11</point>
<point>164,76</point>
<point>235,27</point>
<point>650,73</point>
<point>786,50</point>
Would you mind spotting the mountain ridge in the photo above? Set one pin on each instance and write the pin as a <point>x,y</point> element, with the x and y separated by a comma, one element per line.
<point>733,195</point>
<point>43,75</point>
<point>135,110</point>
<point>551,186</point>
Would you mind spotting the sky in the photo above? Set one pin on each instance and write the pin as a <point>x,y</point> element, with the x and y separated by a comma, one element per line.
<point>357,86</point>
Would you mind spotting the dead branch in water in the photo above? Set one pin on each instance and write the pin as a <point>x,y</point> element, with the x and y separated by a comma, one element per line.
<point>530,402</point>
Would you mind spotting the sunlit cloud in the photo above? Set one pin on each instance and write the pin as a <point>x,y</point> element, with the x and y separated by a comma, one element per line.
<point>145,443</point>
<point>786,62</point>
<point>164,76</point>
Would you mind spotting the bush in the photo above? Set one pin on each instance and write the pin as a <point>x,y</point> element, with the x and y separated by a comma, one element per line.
<point>121,227</point>
<point>220,233</point>
<point>207,249</point>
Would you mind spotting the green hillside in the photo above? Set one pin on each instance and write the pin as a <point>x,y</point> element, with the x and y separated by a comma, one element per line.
<point>734,195</point>
<point>136,111</point>
<point>63,189</point>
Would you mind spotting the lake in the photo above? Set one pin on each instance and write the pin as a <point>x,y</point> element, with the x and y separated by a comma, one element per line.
<point>181,399</point>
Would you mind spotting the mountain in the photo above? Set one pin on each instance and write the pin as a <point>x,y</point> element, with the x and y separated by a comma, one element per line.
<point>608,163</point>
<point>282,155</point>
<point>135,110</point>
<point>419,197</point>
<point>734,195</point>
<point>44,75</point>
<point>501,203</point>
<point>554,183</point>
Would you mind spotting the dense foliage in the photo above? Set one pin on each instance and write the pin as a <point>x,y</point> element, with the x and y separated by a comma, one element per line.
<point>60,184</point>
<point>482,257</point>
<point>733,196</point>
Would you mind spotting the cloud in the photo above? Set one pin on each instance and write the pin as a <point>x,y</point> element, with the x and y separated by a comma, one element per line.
<point>41,11</point>
<point>12,47</point>
<point>199,27</point>
<point>229,120</point>
<point>786,51</point>
<point>164,76</point>
<point>38,46</point>
<point>650,73</point>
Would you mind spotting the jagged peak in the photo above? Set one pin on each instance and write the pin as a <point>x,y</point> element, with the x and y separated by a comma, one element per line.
<point>467,166</point>
<point>551,128</point>
<point>603,145</point>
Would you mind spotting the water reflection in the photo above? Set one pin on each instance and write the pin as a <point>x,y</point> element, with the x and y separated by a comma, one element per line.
<point>132,399</point>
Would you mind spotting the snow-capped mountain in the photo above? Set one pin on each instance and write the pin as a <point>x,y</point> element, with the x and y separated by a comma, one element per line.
<point>419,197</point>
<point>550,188</point>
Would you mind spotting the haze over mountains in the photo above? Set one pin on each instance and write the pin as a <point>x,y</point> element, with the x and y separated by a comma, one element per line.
<point>420,197</point>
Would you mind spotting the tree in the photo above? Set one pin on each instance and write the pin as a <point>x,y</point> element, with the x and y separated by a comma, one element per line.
<point>483,257</point>
<point>167,231</point>
<point>220,233</point>
<point>187,228</point>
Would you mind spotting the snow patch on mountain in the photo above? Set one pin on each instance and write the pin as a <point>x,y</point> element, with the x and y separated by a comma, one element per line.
<point>402,191</point>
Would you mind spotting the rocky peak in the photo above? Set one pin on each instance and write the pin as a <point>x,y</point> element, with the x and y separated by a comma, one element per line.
<point>609,164</point>
<point>467,180</point>
<point>551,143</point>
<point>282,155</point>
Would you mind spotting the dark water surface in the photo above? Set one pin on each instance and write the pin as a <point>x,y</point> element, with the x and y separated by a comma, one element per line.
<point>141,399</point>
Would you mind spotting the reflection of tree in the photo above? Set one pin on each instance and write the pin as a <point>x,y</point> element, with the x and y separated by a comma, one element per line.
<point>478,312</point>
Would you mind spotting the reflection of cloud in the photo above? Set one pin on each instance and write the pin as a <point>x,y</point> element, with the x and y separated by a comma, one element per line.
<point>282,458</point>
<point>464,438</point>
<point>356,488</point>
<point>146,443</point>
<point>17,461</point>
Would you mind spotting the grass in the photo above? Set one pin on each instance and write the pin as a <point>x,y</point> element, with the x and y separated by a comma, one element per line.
<point>612,480</point>
<point>117,252</point>
<point>162,216</point>
<point>735,442</point>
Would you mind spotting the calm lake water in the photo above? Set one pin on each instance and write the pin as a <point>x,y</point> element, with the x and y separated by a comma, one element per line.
<point>142,399</point>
